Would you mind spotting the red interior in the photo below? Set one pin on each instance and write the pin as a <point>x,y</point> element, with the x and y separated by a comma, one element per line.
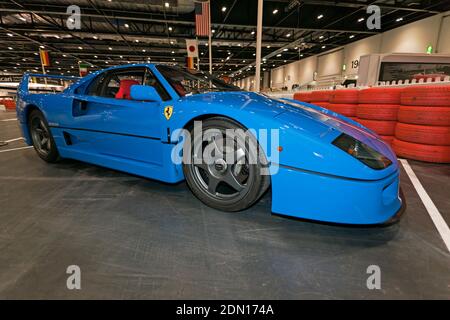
<point>125,88</point>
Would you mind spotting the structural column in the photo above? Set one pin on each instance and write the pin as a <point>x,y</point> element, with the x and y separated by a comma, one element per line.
<point>258,46</point>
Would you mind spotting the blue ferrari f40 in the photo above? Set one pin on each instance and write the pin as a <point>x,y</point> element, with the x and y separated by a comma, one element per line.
<point>143,119</point>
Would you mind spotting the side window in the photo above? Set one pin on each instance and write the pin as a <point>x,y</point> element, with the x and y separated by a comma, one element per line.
<point>117,84</point>
<point>150,80</point>
<point>95,86</point>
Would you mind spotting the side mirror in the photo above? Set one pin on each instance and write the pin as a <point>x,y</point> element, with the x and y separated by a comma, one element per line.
<point>144,93</point>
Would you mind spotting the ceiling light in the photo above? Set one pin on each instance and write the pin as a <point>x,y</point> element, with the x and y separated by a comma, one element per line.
<point>10,48</point>
<point>360,19</point>
<point>301,55</point>
<point>57,62</point>
<point>321,37</point>
<point>253,32</point>
<point>323,47</point>
<point>143,50</point>
<point>22,18</point>
<point>254,54</point>
<point>320,16</point>
<point>279,55</point>
<point>127,25</point>
<point>166,4</point>
<point>106,62</point>
<point>243,61</point>
<point>288,35</point>
<point>275,11</point>
<point>10,34</point>
<point>173,59</point>
<point>95,57</point>
<point>121,57</point>
<point>42,47</point>
<point>81,48</point>
<point>136,40</point>
<point>399,19</point>
<point>35,53</point>
<point>110,48</point>
<point>285,49</point>
<point>224,9</point>
<point>352,36</point>
<point>170,29</point>
<point>268,47</point>
<point>95,37</point>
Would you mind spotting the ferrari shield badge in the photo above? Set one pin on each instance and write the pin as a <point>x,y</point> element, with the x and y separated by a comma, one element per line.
<point>168,111</point>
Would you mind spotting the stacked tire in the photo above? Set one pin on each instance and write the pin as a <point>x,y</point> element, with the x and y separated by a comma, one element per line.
<point>9,104</point>
<point>423,129</point>
<point>378,109</point>
<point>344,102</point>
<point>321,98</point>
<point>304,96</point>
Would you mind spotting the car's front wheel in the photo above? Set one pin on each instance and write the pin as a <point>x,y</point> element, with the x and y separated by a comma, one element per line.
<point>41,136</point>
<point>225,172</point>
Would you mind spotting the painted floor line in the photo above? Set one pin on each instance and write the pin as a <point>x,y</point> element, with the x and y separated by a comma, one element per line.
<point>14,149</point>
<point>15,139</point>
<point>434,213</point>
<point>14,119</point>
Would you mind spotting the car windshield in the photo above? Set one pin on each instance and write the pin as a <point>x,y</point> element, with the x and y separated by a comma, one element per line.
<point>187,82</point>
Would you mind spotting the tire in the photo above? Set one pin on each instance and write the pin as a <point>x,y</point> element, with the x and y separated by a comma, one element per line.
<point>386,112</point>
<point>387,139</point>
<point>42,138</point>
<point>302,96</point>
<point>379,96</point>
<point>348,110</point>
<point>422,152</point>
<point>432,116</point>
<point>383,128</point>
<point>346,96</point>
<point>436,95</point>
<point>321,95</point>
<point>219,185</point>
<point>322,104</point>
<point>438,136</point>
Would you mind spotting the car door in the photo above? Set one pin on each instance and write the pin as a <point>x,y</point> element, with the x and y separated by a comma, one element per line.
<point>108,123</point>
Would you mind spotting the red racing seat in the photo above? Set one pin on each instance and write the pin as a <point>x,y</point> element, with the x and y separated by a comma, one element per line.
<point>125,88</point>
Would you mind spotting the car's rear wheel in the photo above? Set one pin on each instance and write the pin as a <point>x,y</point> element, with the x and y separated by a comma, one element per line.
<point>41,136</point>
<point>222,170</point>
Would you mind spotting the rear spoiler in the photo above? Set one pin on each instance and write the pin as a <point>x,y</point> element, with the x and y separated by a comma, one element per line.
<point>23,89</point>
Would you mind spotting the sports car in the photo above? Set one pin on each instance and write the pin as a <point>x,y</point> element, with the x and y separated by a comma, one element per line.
<point>318,164</point>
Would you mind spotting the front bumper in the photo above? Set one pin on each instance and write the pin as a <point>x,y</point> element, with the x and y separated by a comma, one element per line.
<point>315,196</point>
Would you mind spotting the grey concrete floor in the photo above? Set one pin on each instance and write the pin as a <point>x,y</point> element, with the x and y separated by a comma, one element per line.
<point>137,238</point>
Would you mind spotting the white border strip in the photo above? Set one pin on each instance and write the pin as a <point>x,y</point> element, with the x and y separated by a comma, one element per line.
<point>14,119</point>
<point>15,139</point>
<point>438,221</point>
<point>21,148</point>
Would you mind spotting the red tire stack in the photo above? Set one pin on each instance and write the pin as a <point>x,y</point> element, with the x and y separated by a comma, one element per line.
<point>304,96</point>
<point>423,129</point>
<point>344,102</point>
<point>9,104</point>
<point>321,98</point>
<point>378,109</point>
